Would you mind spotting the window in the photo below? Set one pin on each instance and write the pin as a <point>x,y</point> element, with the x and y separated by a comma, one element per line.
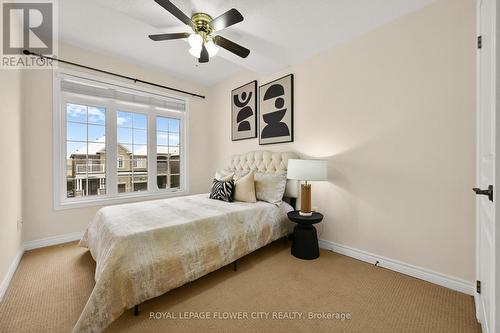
<point>167,152</point>
<point>119,143</point>
<point>120,162</point>
<point>132,133</point>
<point>85,153</point>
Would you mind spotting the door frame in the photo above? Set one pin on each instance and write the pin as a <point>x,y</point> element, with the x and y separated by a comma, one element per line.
<point>495,324</point>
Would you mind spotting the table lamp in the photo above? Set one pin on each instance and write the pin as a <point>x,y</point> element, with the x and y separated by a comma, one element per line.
<point>306,170</point>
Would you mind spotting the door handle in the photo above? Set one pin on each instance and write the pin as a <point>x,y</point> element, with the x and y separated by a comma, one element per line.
<point>488,192</point>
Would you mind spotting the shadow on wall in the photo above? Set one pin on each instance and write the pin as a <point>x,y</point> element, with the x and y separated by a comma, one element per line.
<point>388,185</point>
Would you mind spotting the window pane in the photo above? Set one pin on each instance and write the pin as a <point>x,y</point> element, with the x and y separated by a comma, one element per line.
<point>162,138</point>
<point>85,151</point>
<point>76,132</point>
<point>173,151</point>
<point>175,181</point>
<point>173,139</point>
<point>132,136</point>
<point>161,181</point>
<point>140,121</point>
<point>96,115</point>
<point>174,167</point>
<point>124,184</point>
<point>140,164</point>
<point>167,151</point>
<point>161,151</point>
<point>174,125</point>
<point>140,150</point>
<point>124,135</point>
<point>162,167</point>
<point>140,183</point>
<point>75,112</point>
<point>96,132</point>
<point>162,124</point>
<point>96,150</point>
<point>124,119</point>
<point>140,137</point>
<point>124,149</point>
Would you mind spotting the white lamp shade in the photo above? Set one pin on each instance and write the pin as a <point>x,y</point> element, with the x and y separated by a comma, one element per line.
<point>195,41</point>
<point>212,49</point>
<point>310,170</point>
<point>195,52</point>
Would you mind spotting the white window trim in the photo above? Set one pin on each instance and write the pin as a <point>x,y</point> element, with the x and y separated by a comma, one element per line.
<point>60,200</point>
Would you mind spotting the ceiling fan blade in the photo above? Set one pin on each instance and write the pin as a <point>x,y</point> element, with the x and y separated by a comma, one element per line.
<point>227,19</point>
<point>170,7</point>
<point>177,35</point>
<point>231,46</point>
<point>203,55</point>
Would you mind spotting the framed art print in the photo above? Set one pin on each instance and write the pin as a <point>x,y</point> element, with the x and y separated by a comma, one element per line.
<point>244,112</point>
<point>276,111</point>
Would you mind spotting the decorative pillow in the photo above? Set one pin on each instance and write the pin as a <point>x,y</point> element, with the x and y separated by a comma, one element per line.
<point>270,187</point>
<point>245,188</point>
<point>222,190</point>
<point>241,173</point>
<point>223,176</point>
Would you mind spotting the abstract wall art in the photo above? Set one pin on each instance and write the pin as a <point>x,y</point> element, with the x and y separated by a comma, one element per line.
<point>244,112</point>
<point>276,111</point>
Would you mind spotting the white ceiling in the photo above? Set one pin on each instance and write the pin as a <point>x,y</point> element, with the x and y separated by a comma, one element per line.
<point>279,33</point>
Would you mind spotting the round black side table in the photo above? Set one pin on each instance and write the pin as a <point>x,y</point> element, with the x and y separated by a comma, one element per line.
<point>305,239</point>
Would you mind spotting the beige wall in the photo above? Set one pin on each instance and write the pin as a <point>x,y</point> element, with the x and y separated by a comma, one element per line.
<point>394,113</point>
<point>41,220</point>
<point>10,168</point>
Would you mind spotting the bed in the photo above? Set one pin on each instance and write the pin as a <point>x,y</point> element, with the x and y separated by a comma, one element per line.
<point>142,250</point>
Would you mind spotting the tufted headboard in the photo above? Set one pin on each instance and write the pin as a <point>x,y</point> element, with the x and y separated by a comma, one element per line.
<point>266,162</point>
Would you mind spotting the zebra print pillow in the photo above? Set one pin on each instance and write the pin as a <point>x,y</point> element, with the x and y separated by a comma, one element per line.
<point>222,190</point>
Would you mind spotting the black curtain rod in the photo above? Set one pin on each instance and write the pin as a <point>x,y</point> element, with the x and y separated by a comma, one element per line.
<point>27,52</point>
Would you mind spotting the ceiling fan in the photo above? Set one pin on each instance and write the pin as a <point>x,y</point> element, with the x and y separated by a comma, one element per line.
<point>202,41</point>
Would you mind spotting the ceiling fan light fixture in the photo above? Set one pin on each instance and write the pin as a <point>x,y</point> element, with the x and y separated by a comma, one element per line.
<point>212,49</point>
<point>195,41</point>
<point>204,45</point>
<point>195,51</point>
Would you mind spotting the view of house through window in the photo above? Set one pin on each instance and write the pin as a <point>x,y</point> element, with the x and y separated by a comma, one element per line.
<point>167,152</point>
<point>85,153</point>
<point>119,143</point>
<point>132,139</point>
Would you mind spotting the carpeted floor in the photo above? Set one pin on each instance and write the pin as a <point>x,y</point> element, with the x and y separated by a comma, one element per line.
<point>51,286</point>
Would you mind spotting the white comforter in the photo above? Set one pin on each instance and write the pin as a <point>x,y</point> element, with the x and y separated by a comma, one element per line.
<point>143,250</point>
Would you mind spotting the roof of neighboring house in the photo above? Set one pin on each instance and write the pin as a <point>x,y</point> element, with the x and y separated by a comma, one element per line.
<point>99,146</point>
<point>159,150</point>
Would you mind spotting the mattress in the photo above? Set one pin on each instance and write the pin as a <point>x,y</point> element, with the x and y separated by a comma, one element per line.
<point>145,249</point>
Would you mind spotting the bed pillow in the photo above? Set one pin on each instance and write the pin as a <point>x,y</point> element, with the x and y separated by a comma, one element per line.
<point>245,188</point>
<point>270,187</point>
<point>223,176</point>
<point>241,173</point>
<point>222,190</point>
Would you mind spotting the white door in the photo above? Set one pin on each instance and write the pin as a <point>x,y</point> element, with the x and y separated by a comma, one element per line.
<point>486,233</point>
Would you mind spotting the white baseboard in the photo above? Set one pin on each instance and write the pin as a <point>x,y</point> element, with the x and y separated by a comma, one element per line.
<point>55,240</point>
<point>10,273</point>
<point>447,281</point>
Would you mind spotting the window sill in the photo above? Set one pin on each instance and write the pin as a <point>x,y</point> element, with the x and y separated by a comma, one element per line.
<point>119,199</point>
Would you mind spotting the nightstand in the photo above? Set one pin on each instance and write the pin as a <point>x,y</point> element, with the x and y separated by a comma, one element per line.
<point>305,239</point>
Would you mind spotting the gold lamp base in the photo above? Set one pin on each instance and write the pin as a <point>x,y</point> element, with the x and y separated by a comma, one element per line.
<point>305,200</point>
